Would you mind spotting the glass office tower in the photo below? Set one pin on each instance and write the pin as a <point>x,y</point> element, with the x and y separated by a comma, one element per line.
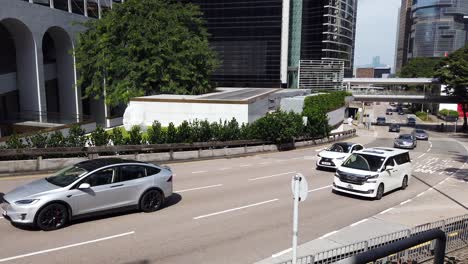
<point>439,27</point>
<point>247,37</point>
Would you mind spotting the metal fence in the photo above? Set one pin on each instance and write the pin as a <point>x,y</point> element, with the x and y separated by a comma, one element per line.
<point>455,228</point>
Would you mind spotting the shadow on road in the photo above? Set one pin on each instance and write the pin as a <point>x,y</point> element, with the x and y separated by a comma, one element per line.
<point>144,261</point>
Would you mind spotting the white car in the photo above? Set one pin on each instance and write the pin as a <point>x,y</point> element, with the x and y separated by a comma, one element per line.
<point>373,172</point>
<point>336,154</point>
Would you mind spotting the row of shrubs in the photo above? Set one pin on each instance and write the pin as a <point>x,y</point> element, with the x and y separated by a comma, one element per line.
<point>450,113</point>
<point>423,116</point>
<point>278,127</point>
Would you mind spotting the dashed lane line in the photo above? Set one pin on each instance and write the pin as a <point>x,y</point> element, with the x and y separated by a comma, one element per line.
<point>271,176</point>
<point>199,188</point>
<point>321,188</point>
<point>66,247</point>
<point>405,202</point>
<point>235,209</point>
<point>198,172</point>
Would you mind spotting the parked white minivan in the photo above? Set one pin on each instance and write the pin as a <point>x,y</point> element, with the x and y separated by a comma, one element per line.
<point>372,172</point>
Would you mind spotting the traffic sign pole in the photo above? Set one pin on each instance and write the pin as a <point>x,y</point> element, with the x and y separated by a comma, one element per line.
<point>297,179</point>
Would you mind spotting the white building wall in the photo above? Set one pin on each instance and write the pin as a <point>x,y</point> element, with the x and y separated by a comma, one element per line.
<point>144,113</point>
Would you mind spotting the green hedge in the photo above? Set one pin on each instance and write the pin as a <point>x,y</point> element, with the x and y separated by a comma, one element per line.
<point>451,113</point>
<point>423,116</point>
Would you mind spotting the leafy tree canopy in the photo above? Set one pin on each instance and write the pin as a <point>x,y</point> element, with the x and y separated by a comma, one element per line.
<point>420,67</point>
<point>145,47</point>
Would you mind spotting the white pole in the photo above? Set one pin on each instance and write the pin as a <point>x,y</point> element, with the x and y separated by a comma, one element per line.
<point>295,218</point>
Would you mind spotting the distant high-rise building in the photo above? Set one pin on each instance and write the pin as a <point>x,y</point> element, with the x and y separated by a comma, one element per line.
<point>404,30</point>
<point>376,61</point>
<point>438,27</point>
<point>431,28</point>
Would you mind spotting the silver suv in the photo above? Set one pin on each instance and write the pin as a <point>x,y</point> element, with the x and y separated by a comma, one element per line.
<point>89,187</point>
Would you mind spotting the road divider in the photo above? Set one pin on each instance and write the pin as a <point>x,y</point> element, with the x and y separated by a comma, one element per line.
<point>281,253</point>
<point>235,209</point>
<point>199,188</point>
<point>271,176</point>
<point>66,247</point>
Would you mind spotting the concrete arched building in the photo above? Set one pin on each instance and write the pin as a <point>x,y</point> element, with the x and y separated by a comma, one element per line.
<point>37,68</point>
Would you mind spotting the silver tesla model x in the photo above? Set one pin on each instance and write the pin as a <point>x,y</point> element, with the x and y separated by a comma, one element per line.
<point>89,187</point>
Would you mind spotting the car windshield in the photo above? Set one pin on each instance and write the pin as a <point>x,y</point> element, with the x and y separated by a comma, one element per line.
<point>381,118</point>
<point>364,162</point>
<point>339,148</point>
<point>420,131</point>
<point>66,176</point>
<point>405,137</point>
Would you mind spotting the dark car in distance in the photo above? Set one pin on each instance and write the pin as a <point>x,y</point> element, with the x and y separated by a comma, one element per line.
<point>389,111</point>
<point>381,121</point>
<point>411,121</point>
<point>394,128</point>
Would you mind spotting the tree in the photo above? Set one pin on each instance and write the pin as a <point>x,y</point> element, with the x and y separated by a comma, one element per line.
<point>99,137</point>
<point>453,72</point>
<point>76,136</point>
<point>155,134</point>
<point>145,47</point>
<point>419,67</point>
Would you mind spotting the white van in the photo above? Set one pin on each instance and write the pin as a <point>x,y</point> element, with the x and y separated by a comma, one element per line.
<point>374,171</point>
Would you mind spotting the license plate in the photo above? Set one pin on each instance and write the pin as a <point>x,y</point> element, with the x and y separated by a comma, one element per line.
<point>326,163</point>
<point>350,186</point>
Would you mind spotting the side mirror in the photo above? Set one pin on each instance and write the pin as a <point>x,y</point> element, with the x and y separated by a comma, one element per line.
<point>389,167</point>
<point>84,186</point>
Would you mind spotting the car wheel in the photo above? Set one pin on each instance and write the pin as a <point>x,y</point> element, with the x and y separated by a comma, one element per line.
<point>404,183</point>
<point>52,217</point>
<point>380,192</point>
<point>151,201</point>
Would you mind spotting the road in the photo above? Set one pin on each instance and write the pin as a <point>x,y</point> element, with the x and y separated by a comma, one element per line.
<point>236,210</point>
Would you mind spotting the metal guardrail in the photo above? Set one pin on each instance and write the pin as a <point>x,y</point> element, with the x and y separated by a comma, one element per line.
<point>455,230</point>
<point>108,150</point>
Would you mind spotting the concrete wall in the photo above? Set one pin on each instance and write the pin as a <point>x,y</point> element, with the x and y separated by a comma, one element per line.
<point>144,113</point>
<point>8,82</point>
<point>336,117</point>
<point>28,23</point>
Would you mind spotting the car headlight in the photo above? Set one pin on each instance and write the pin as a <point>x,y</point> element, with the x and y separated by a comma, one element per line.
<point>27,201</point>
<point>375,176</point>
<point>342,158</point>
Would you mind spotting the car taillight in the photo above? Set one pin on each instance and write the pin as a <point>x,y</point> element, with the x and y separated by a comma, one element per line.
<point>170,179</point>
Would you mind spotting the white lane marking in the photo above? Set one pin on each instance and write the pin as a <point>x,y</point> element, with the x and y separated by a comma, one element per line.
<point>328,234</point>
<point>421,194</point>
<point>265,163</point>
<point>281,253</point>
<point>360,222</point>
<point>235,209</point>
<point>386,211</point>
<point>421,155</point>
<point>298,158</point>
<point>321,188</point>
<point>227,168</point>
<point>197,172</point>
<point>65,247</point>
<point>246,165</point>
<point>281,160</point>
<point>271,176</point>
<point>405,202</point>
<point>199,188</point>
<point>1,217</point>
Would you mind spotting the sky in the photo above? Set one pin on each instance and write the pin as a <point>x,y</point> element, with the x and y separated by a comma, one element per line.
<point>376,31</point>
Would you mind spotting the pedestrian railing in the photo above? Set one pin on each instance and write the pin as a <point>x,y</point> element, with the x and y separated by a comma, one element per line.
<point>455,230</point>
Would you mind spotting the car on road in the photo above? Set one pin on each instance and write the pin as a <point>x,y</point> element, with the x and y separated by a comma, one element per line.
<point>394,128</point>
<point>87,188</point>
<point>372,172</point>
<point>407,141</point>
<point>333,156</point>
<point>420,134</point>
<point>401,112</point>
<point>381,121</point>
<point>389,111</point>
<point>411,121</point>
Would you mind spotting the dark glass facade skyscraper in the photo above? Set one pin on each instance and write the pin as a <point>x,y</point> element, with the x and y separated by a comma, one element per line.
<point>247,37</point>
<point>261,42</point>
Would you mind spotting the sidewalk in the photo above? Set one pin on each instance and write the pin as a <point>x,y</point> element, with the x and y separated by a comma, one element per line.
<point>426,207</point>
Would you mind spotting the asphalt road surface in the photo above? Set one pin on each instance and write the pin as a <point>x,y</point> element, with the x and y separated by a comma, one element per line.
<point>235,210</point>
